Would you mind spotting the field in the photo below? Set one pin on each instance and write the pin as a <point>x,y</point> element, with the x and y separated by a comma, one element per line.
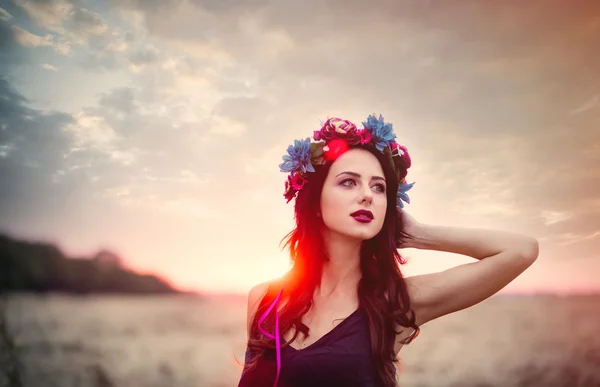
<point>183,341</point>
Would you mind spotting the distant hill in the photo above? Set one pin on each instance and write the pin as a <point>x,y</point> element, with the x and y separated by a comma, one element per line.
<point>42,267</point>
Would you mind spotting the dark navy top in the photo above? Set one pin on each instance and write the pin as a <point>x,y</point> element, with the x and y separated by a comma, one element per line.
<point>342,357</point>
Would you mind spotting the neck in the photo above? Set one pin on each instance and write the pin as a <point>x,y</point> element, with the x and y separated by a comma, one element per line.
<point>341,273</point>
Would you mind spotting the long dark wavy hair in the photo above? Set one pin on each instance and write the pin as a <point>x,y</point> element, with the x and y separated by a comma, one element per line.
<point>382,290</point>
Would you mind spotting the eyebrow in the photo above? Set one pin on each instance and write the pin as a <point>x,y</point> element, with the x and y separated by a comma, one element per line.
<point>358,175</point>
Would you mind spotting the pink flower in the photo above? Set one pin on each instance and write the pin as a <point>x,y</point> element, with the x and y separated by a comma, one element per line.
<point>365,136</point>
<point>337,128</point>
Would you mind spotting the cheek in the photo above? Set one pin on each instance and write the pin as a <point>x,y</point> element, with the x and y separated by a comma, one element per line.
<point>333,205</point>
<point>380,207</point>
<point>329,204</point>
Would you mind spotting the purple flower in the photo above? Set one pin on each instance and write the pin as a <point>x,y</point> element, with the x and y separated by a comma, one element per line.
<point>298,157</point>
<point>382,132</point>
<point>402,195</point>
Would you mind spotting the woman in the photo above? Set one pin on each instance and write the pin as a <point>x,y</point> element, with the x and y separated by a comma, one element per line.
<point>340,316</point>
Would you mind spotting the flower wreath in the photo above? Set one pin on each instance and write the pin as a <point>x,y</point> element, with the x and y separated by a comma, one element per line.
<point>333,139</point>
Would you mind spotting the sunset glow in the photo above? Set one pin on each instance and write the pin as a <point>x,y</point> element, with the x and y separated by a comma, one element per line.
<point>155,129</point>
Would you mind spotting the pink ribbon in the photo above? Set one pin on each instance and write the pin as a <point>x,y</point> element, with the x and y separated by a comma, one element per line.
<point>270,336</point>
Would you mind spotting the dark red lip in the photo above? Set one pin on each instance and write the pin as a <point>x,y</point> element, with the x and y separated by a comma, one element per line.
<point>366,213</point>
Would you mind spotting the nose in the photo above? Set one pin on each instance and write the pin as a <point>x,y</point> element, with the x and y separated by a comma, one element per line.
<point>366,194</point>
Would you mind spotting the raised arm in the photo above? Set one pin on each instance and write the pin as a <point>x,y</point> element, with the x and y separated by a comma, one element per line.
<point>502,256</point>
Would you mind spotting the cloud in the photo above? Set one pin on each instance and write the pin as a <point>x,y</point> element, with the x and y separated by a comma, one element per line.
<point>52,162</point>
<point>495,102</point>
<point>421,63</point>
<point>66,26</point>
<point>87,23</point>
<point>4,15</point>
<point>144,55</point>
<point>49,14</point>
<point>27,39</point>
<point>65,18</point>
<point>589,104</point>
<point>36,148</point>
<point>243,109</point>
<point>121,100</point>
<point>91,131</point>
<point>399,58</point>
<point>21,130</point>
<point>11,53</point>
<point>47,66</point>
<point>571,238</point>
<point>553,217</point>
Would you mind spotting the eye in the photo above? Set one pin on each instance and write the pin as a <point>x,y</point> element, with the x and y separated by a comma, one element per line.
<point>343,182</point>
<point>381,187</point>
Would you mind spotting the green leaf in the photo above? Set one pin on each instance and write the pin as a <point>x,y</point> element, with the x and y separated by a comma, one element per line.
<point>316,149</point>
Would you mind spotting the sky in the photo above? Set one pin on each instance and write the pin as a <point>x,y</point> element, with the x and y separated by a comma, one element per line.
<point>155,128</point>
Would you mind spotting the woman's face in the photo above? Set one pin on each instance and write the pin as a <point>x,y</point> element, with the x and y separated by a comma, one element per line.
<point>355,182</point>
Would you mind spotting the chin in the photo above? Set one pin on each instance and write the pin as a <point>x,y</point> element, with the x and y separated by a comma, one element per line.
<point>356,231</point>
<point>365,234</point>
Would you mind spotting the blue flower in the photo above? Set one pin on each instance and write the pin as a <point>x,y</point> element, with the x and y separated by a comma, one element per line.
<point>382,132</point>
<point>298,157</point>
<point>402,195</point>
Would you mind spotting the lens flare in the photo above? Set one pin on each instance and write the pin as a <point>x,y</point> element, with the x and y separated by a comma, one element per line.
<point>335,148</point>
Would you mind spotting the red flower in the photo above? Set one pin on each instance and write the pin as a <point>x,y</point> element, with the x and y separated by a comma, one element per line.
<point>289,192</point>
<point>293,184</point>
<point>298,181</point>
<point>400,155</point>
<point>336,128</point>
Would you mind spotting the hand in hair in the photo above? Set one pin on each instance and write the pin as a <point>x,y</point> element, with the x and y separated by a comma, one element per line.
<point>408,229</point>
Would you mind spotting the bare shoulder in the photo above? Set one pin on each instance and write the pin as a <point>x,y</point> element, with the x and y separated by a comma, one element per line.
<point>255,295</point>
